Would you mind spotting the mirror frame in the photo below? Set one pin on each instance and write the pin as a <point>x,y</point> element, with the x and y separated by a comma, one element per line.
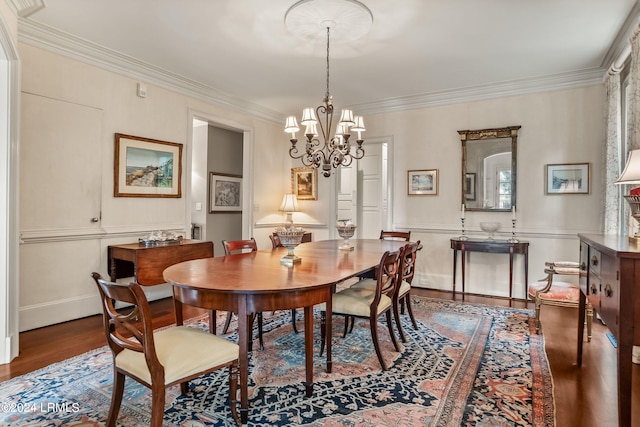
<point>482,134</point>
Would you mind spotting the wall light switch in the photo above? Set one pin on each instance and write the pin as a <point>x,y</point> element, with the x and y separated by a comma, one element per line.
<point>142,90</point>
<point>198,206</point>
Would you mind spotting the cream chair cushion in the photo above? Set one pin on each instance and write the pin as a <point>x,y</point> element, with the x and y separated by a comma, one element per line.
<point>356,302</point>
<point>183,351</point>
<point>371,284</point>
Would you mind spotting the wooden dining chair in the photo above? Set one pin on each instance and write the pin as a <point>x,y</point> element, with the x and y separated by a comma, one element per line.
<point>387,235</point>
<point>158,359</point>
<point>233,247</point>
<point>402,295</point>
<point>367,304</point>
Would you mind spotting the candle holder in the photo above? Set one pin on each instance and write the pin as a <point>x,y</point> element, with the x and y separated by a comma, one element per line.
<point>462,237</point>
<point>513,232</point>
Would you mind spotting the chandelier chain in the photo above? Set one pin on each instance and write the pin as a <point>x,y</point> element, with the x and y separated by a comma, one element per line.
<point>327,95</point>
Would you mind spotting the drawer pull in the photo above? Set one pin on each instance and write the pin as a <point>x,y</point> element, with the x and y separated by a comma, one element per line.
<point>608,290</point>
<point>594,261</point>
<point>594,289</point>
<point>583,266</point>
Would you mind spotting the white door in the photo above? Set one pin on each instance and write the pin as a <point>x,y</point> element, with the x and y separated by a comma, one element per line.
<point>363,190</point>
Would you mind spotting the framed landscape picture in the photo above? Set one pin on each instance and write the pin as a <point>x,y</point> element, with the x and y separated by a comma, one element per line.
<point>422,182</point>
<point>304,183</point>
<point>567,178</point>
<point>146,167</point>
<point>225,193</point>
<point>470,186</point>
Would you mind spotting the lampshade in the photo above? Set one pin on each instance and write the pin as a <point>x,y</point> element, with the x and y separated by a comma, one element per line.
<point>631,172</point>
<point>308,117</point>
<point>359,124</point>
<point>347,117</point>
<point>291,125</point>
<point>289,203</point>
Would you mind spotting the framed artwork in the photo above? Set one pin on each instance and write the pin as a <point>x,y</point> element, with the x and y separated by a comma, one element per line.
<point>422,182</point>
<point>567,178</point>
<point>470,186</point>
<point>225,193</point>
<point>304,183</point>
<point>146,167</point>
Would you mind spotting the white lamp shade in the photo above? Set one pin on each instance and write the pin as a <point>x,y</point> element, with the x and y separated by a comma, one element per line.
<point>631,172</point>
<point>311,129</point>
<point>291,125</point>
<point>308,117</point>
<point>347,117</point>
<point>289,203</point>
<point>359,126</point>
<point>342,129</point>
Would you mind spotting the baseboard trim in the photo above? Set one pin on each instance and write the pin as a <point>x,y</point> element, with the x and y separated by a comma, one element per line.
<point>52,312</point>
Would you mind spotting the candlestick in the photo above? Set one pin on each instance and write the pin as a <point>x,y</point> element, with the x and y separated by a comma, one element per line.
<point>513,230</point>
<point>462,237</point>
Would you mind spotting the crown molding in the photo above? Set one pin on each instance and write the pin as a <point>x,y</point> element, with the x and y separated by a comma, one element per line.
<point>581,78</point>
<point>51,39</point>
<point>621,46</point>
<point>25,8</point>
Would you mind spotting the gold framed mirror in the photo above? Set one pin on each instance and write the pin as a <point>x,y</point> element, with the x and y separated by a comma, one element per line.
<point>489,168</point>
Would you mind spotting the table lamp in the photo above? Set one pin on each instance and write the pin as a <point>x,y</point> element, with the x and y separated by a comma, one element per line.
<point>631,175</point>
<point>289,205</point>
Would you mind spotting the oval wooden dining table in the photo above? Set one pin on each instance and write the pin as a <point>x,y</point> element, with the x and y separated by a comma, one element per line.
<point>255,282</point>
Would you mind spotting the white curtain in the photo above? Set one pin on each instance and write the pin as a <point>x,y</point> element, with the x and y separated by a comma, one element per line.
<point>612,193</point>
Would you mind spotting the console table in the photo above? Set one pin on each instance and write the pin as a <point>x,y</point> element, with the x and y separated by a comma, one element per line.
<point>609,276</point>
<point>146,263</point>
<point>490,246</point>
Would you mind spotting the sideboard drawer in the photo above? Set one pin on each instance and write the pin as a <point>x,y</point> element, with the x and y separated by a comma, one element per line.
<point>609,289</point>
<point>595,261</point>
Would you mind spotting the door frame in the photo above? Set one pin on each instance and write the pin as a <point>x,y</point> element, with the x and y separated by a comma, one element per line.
<point>247,165</point>
<point>333,200</point>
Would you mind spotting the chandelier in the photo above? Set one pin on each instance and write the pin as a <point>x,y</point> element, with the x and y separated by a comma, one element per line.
<point>324,150</point>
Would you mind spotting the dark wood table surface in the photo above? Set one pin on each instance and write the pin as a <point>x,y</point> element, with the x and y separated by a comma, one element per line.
<point>256,282</point>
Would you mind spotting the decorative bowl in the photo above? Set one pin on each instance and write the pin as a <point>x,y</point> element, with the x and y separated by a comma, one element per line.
<point>346,230</point>
<point>290,238</point>
<point>490,228</point>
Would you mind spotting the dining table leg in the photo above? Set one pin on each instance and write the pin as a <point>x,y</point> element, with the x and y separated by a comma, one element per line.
<point>243,343</point>
<point>308,349</point>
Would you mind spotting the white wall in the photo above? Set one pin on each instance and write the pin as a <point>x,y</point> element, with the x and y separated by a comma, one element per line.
<point>557,127</point>
<point>56,263</point>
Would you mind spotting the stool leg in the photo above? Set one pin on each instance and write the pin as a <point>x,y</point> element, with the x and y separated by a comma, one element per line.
<point>538,304</point>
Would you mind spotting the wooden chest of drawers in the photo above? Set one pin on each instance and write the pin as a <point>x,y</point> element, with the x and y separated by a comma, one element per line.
<point>610,278</point>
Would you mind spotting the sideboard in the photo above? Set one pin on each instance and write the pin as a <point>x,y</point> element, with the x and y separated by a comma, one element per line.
<point>610,278</point>
<point>146,263</point>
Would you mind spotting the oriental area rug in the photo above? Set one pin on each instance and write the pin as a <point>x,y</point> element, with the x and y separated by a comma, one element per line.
<point>465,365</point>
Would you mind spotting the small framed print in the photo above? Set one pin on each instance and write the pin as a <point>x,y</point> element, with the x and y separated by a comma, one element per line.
<point>567,178</point>
<point>304,183</point>
<point>422,182</point>
<point>470,186</point>
<point>225,193</point>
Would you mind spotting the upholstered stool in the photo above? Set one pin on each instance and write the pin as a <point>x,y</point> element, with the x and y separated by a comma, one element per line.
<point>554,292</point>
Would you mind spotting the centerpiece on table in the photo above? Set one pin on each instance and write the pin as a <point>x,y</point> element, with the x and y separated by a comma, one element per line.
<point>346,230</point>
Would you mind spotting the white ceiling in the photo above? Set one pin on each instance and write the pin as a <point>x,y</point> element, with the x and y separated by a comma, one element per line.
<point>418,52</point>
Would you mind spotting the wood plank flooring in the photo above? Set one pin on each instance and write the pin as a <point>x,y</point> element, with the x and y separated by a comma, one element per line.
<point>585,397</point>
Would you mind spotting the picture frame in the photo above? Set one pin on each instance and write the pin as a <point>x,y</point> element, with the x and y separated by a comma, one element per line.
<point>225,193</point>
<point>568,178</point>
<point>145,167</point>
<point>422,182</point>
<point>470,186</point>
<point>304,183</point>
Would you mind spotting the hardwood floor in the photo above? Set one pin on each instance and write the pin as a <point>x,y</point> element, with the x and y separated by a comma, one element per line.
<point>585,396</point>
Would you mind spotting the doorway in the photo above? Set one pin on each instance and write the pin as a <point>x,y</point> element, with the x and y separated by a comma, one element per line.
<point>364,190</point>
<point>219,147</point>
